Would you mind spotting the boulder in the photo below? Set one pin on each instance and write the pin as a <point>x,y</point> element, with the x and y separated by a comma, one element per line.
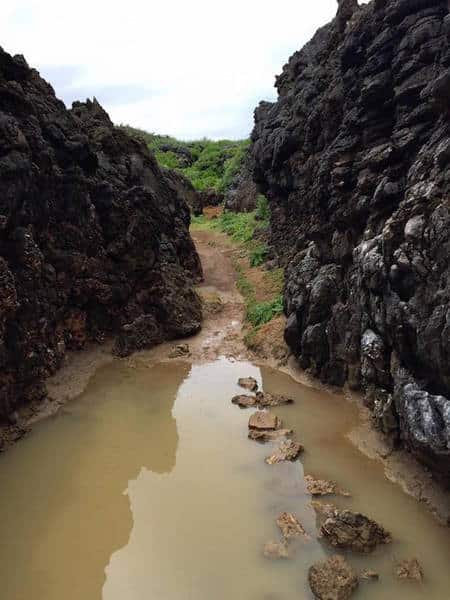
<point>264,421</point>
<point>249,383</point>
<point>353,531</point>
<point>287,450</point>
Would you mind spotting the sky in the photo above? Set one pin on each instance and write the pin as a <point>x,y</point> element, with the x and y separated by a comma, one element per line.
<point>187,68</point>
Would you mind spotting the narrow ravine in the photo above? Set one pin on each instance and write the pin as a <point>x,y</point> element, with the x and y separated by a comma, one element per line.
<point>155,490</point>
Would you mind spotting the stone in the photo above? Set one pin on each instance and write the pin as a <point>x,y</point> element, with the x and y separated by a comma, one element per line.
<point>180,350</point>
<point>287,450</point>
<point>264,421</point>
<point>244,401</point>
<point>290,526</point>
<point>332,579</point>
<point>324,510</point>
<point>322,487</point>
<point>269,436</point>
<point>275,550</point>
<point>409,569</point>
<point>266,400</point>
<point>249,383</point>
<point>354,531</point>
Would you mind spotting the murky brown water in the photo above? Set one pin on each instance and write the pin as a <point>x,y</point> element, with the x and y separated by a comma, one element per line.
<point>147,488</point>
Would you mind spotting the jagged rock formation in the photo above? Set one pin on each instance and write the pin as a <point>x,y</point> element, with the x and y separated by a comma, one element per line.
<point>93,238</point>
<point>243,192</point>
<point>355,160</point>
<point>185,190</point>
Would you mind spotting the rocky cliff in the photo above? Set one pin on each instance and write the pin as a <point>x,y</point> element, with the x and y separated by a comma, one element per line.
<point>355,160</point>
<point>94,238</point>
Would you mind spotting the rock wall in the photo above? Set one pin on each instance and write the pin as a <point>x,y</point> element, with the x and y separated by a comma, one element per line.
<point>355,160</point>
<point>94,239</point>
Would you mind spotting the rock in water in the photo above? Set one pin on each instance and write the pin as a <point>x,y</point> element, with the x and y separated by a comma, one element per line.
<point>332,579</point>
<point>264,421</point>
<point>354,531</point>
<point>369,575</point>
<point>276,550</point>
<point>268,436</point>
<point>287,450</point>
<point>266,400</point>
<point>409,569</point>
<point>249,383</point>
<point>94,240</point>
<point>290,526</point>
<point>322,487</point>
<point>180,350</point>
<point>244,401</point>
<point>354,158</point>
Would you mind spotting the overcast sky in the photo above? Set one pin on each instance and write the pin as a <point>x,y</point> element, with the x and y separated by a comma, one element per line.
<point>188,68</point>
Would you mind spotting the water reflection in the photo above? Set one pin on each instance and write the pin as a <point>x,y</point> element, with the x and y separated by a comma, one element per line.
<point>67,482</point>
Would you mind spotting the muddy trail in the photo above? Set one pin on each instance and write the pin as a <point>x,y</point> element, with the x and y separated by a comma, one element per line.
<point>156,491</point>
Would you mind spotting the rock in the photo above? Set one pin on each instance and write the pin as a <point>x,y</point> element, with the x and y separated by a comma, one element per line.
<point>268,436</point>
<point>290,526</point>
<point>266,400</point>
<point>249,383</point>
<point>276,550</point>
<point>354,158</point>
<point>287,450</point>
<point>244,401</point>
<point>264,421</point>
<point>354,531</point>
<point>321,487</point>
<point>242,194</point>
<point>180,350</point>
<point>324,510</point>
<point>369,575</point>
<point>94,240</point>
<point>409,569</point>
<point>332,579</point>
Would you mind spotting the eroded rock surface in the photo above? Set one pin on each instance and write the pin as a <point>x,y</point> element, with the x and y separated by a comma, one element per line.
<point>332,579</point>
<point>290,526</point>
<point>354,531</point>
<point>409,569</point>
<point>354,158</point>
<point>268,436</point>
<point>94,239</point>
<point>264,421</point>
<point>287,450</point>
<point>265,400</point>
<point>322,487</point>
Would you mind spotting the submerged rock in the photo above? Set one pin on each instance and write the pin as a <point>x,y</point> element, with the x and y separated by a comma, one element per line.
<point>324,510</point>
<point>369,575</point>
<point>332,579</point>
<point>322,487</point>
<point>265,400</point>
<point>249,383</point>
<point>268,436</point>
<point>276,550</point>
<point>264,421</point>
<point>290,526</point>
<point>287,450</point>
<point>409,569</point>
<point>354,531</point>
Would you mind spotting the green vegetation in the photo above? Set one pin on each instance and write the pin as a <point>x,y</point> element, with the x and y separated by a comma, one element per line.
<point>240,227</point>
<point>207,164</point>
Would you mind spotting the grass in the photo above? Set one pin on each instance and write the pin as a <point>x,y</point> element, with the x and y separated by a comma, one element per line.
<point>208,164</point>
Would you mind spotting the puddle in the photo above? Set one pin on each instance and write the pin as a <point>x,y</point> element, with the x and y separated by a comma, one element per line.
<point>147,488</point>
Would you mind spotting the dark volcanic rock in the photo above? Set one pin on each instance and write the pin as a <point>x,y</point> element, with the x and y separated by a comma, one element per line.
<point>243,192</point>
<point>94,239</point>
<point>355,160</point>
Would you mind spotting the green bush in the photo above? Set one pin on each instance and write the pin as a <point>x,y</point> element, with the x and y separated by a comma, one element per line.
<point>260,313</point>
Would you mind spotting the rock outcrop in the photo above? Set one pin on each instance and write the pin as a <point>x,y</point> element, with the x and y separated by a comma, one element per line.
<point>354,158</point>
<point>242,195</point>
<point>94,239</point>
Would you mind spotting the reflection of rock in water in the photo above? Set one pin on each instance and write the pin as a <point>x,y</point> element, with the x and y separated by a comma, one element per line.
<point>78,466</point>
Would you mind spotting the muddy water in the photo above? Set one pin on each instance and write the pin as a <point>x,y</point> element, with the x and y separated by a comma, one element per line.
<point>147,488</point>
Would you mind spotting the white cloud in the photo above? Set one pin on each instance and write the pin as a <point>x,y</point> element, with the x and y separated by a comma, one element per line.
<point>189,69</point>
